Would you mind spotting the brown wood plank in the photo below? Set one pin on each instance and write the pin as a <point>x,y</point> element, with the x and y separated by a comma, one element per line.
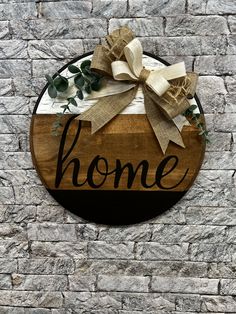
<point>127,138</point>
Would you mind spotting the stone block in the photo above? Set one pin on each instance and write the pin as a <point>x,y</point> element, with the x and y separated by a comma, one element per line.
<point>6,87</point>
<point>140,8</point>
<point>220,7</point>
<point>59,49</point>
<point>218,304</point>
<point>183,25</point>
<point>231,84</point>
<point>232,23</point>
<point>58,28</point>
<point>59,249</point>
<point>48,66</point>
<point>148,302</point>
<point>46,266</point>
<point>225,122</point>
<point>106,8</point>
<point>12,232</point>
<point>8,265</point>
<point>212,188</point>
<point>39,282</point>
<point>224,216</point>
<point>50,213</point>
<point>4,30</point>
<point>228,287</point>
<point>222,270</point>
<point>219,142</point>
<point>14,68</point>
<point>31,299</point>
<point>17,160</point>
<point>188,303</point>
<point>14,105</point>
<point>141,27</point>
<point>197,7</point>
<point>156,251</point>
<point>231,49</point>
<point>19,11</point>
<point>51,232</point>
<point>123,283</point>
<point>7,195</point>
<point>14,249</point>
<point>13,49</point>
<point>82,283</point>
<point>5,282</point>
<point>190,233</point>
<point>17,213</point>
<point>101,249</point>
<point>92,301</point>
<point>211,91</point>
<point>216,65</point>
<point>66,9</point>
<point>140,232</point>
<point>211,252</point>
<point>184,285</point>
<point>86,232</point>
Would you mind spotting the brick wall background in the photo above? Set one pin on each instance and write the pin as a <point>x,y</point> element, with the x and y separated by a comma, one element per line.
<point>52,262</point>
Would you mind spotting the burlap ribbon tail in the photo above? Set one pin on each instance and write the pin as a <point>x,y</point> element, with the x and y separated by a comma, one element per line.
<point>166,90</point>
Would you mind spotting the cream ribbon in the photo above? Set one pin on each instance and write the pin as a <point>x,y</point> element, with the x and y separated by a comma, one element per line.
<point>133,69</point>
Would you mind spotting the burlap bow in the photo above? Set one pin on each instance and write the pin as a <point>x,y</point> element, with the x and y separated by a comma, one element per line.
<point>166,90</point>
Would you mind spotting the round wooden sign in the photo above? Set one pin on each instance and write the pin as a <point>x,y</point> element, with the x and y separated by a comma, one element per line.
<point>118,175</point>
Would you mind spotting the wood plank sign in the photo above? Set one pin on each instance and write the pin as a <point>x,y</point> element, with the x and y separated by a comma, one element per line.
<point>119,174</point>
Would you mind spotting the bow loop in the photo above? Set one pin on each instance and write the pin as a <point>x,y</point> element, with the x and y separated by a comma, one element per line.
<point>133,69</point>
<point>134,55</point>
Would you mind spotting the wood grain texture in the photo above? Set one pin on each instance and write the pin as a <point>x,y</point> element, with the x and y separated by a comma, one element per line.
<point>128,138</point>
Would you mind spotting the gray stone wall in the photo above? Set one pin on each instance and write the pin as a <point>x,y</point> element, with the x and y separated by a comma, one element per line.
<point>52,262</point>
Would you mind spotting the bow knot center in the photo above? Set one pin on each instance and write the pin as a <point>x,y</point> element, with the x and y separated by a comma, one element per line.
<point>144,74</point>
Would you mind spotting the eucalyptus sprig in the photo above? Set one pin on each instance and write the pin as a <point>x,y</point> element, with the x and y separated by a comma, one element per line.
<point>84,79</point>
<point>57,125</point>
<point>195,118</point>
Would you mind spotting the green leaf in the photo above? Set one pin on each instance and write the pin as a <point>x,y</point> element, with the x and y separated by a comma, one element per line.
<point>61,83</point>
<point>66,107</point>
<point>88,71</point>
<point>79,94</point>
<point>73,69</point>
<point>192,108</point>
<point>72,101</point>
<point>79,80</point>
<point>49,79</point>
<point>187,113</point>
<point>96,85</point>
<point>88,88</point>
<point>52,92</point>
<point>85,66</point>
<point>95,75</point>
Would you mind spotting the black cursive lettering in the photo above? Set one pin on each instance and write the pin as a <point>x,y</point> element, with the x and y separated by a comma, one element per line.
<point>127,170</point>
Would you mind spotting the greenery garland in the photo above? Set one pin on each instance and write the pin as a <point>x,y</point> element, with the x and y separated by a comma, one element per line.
<point>84,80</point>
